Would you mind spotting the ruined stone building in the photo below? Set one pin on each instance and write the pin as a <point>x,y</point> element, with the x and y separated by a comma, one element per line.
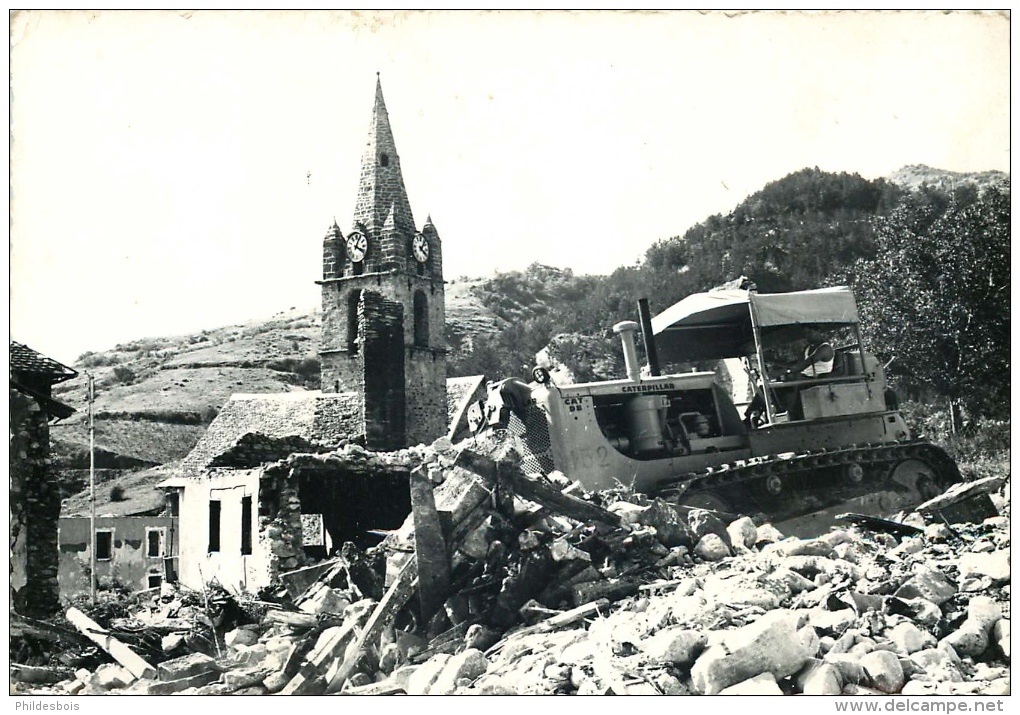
<point>279,480</point>
<point>35,492</point>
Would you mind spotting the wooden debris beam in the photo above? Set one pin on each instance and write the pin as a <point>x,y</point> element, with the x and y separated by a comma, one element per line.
<point>119,651</point>
<point>533,490</point>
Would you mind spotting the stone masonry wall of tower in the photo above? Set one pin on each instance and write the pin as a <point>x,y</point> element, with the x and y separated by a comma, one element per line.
<point>383,254</point>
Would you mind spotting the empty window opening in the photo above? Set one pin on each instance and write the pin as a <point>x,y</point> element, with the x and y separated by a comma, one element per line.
<point>104,544</point>
<point>173,502</point>
<point>245,525</point>
<point>384,160</point>
<point>154,540</point>
<point>353,298</point>
<point>154,580</point>
<point>214,525</point>
<point>421,320</point>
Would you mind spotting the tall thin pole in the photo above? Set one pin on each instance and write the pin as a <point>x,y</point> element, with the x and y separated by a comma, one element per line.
<point>92,488</point>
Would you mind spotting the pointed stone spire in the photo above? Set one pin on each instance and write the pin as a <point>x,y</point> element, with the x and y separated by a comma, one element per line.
<point>381,187</point>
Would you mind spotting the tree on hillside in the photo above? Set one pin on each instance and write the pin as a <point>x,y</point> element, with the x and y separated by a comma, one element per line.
<point>793,234</point>
<point>935,299</point>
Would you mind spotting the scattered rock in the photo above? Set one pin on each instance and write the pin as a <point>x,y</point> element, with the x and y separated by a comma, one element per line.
<point>883,670</point>
<point>993,565</point>
<point>711,548</point>
<point>770,644</point>
<point>743,533</point>
<point>676,646</point>
<point>819,678</point>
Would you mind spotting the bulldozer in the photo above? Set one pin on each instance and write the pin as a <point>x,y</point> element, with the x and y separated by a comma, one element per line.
<point>810,444</point>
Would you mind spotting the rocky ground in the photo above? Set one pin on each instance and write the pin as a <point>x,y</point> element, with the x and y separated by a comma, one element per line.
<point>662,602</point>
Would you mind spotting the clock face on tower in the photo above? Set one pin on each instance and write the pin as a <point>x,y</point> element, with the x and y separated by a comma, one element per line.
<point>357,245</point>
<point>420,248</point>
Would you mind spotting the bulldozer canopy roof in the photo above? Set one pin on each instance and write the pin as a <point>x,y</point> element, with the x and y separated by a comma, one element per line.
<point>718,324</point>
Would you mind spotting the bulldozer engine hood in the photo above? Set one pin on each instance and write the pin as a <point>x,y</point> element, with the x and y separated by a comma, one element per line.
<point>720,324</point>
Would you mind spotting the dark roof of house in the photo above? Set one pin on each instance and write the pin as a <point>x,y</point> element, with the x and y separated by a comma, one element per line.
<point>25,360</point>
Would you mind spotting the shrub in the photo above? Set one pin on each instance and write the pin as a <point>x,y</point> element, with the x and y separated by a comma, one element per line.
<point>117,493</point>
<point>124,375</point>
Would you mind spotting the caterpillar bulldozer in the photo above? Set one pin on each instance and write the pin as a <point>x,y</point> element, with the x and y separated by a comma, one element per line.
<point>809,445</point>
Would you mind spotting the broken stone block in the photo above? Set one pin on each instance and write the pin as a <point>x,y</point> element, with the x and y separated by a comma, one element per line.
<point>849,668</point>
<point>809,566</point>
<point>768,534</point>
<point>863,646</point>
<point>670,529</point>
<point>185,666</point>
<point>627,511</point>
<point>325,600</point>
<point>704,522</point>
<point>711,548</point>
<point>669,684</point>
<point>480,637</point>
<point>929,584</point>
<point>831,622</point>
<point>770,644</point>
<point>884,671</point>
<point>244,677</point>
<point>792,580</point>
<point>110,676</point>
<point>921,610</point>
<point>908,638</point>
<point>677,646</point>
<point>275,682</point>
<point>763,684</point>
<point>1000,636</point>
<point>468,665</point>
<point>243,635</point>
<point>937,664</point>
<point>938,532</point>
<point>805,547</point>
<point>993,565</point>
<point>846,552</point>
<point>743,533</point>
<point>422,678</point>
<point>72,687</point>
<point>169,687</point>
<point>172,642</point>
<point>819,678</point>
<point>971,639</point>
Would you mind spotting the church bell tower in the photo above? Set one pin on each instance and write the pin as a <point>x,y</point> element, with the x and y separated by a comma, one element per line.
<point>383,304</point>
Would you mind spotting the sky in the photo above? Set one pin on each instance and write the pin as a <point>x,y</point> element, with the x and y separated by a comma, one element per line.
<point>175,171</point>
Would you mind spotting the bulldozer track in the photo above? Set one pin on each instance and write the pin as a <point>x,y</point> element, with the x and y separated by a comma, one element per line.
<point>817,467</point>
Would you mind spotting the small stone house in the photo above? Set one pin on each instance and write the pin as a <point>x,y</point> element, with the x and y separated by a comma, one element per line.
<point>35,492</point>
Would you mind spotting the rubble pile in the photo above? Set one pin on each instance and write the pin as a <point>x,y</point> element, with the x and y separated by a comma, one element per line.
<point>502,583</point>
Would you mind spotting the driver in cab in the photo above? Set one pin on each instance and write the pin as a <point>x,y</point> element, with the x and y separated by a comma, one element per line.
<point>817,361</point>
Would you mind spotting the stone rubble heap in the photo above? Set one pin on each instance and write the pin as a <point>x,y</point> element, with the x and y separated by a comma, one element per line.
<point>643,599</point>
